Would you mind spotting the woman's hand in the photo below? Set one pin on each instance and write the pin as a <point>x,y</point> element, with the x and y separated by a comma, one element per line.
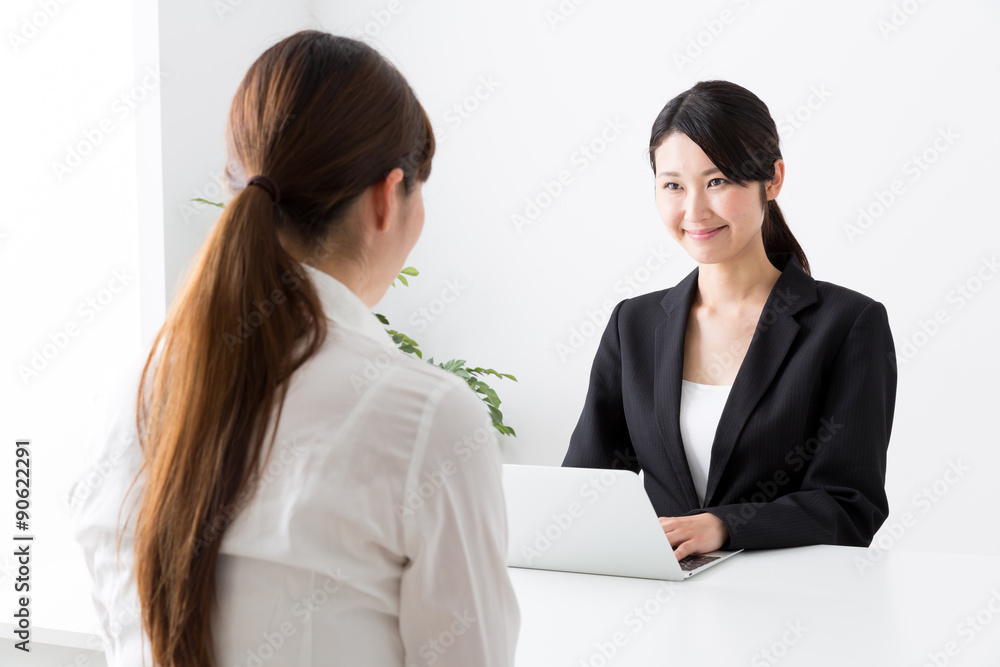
<point>696,534</point>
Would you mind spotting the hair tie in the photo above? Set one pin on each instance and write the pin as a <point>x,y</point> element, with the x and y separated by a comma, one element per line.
<point>269,185</point>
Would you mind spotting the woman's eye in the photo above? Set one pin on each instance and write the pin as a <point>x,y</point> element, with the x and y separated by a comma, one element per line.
<point>674,186</point>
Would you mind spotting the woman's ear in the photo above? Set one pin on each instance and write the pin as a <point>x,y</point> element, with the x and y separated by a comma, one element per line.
<point>384,198</point>
<point>774,186</point>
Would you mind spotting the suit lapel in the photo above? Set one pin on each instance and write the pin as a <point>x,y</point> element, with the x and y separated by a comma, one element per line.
<point>669,367</point>
<point>776,329</point>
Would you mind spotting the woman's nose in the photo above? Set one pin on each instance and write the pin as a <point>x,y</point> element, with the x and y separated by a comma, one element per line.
<point>696,207</point>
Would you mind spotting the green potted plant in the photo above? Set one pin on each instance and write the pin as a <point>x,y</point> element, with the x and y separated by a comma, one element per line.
<point>473,375</point>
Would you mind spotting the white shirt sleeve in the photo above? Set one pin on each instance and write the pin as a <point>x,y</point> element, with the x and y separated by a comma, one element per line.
<point>457,605</point>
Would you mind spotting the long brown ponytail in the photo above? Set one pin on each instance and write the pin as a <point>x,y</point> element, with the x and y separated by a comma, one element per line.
<point>735,129</point>
<point>324,117</point>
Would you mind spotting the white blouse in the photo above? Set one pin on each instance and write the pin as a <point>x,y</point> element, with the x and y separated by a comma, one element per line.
<point>701,410</point>
<point>378,532</point>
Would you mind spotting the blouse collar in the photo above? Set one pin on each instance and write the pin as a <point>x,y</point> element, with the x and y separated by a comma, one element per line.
<point>344,307</point>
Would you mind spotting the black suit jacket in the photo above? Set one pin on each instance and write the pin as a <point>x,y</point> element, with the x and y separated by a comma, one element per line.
<point>799,454</point>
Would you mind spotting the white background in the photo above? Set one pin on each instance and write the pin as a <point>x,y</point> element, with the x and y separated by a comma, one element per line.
<point>526,295</point>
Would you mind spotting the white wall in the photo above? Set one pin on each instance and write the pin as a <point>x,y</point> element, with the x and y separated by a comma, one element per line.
<point>886,98</point>
<point>68,267</point>
<point>522,292</point>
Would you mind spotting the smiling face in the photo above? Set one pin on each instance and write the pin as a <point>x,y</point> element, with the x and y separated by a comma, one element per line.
<point>714,219</point>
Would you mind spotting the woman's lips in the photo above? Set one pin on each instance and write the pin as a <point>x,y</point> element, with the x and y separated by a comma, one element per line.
<point>704,235</point>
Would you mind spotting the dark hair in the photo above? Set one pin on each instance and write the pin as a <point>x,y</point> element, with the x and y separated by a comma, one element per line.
<point>324,117</point>
<point>736,131</point>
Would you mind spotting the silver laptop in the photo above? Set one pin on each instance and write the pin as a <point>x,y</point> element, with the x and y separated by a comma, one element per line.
<point>591,520</point>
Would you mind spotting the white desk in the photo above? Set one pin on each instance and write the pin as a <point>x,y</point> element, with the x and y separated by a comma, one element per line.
<point>808,606</point>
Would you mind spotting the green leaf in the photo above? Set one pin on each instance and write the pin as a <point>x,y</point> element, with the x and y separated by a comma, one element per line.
<point>490,371</point>
<point>405,343</point>
<point>486,394</point>
<point>492,397</point>
<point>401,276</point>
<point>453,365</point>
<point>205,201</point>
<point>409,349</point>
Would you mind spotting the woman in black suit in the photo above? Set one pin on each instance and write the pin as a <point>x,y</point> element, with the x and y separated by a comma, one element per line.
<point>757,401</point>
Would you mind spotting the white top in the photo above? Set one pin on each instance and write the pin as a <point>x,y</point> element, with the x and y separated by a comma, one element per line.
<point>377,536</point>
<point>701,409</point>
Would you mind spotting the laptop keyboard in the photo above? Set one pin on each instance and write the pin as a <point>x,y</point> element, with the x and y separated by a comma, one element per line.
<point>693,562</point>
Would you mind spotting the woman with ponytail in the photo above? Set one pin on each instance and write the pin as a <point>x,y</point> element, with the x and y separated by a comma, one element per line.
<point>757,401</point>
<point>283,486</point>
